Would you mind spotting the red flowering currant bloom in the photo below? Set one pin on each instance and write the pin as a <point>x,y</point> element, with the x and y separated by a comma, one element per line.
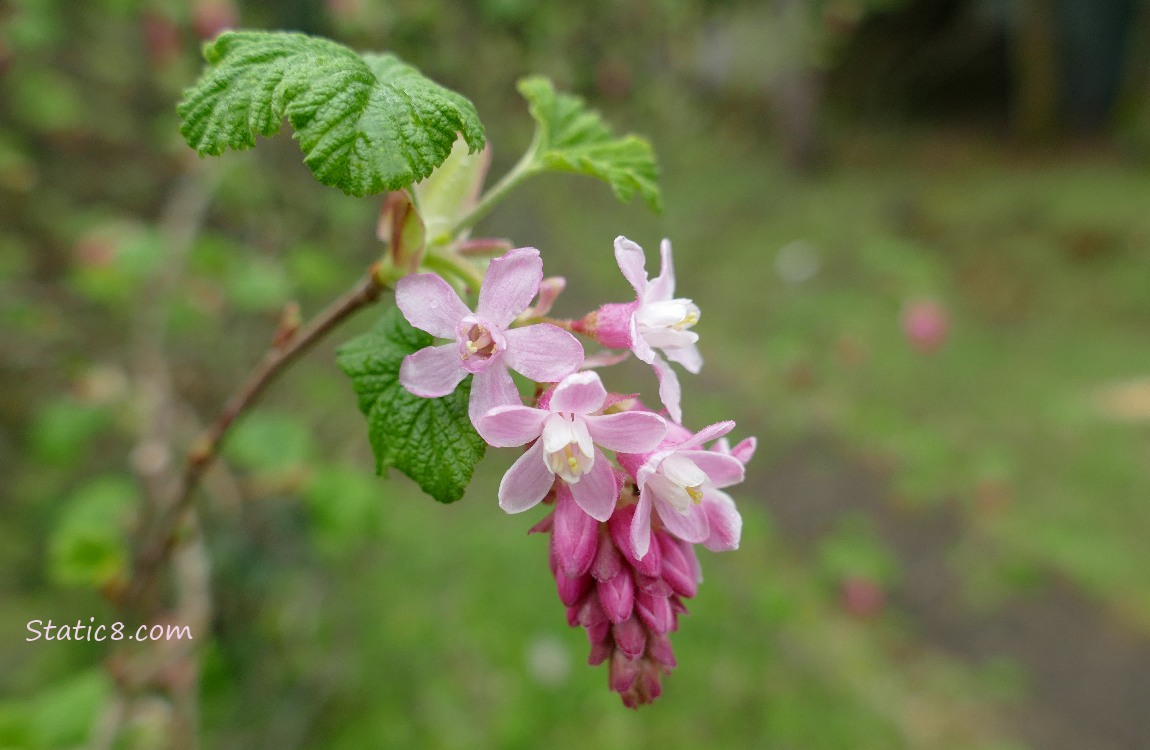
<point>681,483</point>
<point>656,321</point>
<point>483,345</point>
<point>566,434</point>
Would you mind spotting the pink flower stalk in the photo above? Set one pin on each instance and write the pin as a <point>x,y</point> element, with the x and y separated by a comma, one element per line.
<point>483,345</point>
<point>568,431</point>
<point>682,483</point>
<point>656,320</point>
<point>628,606</point>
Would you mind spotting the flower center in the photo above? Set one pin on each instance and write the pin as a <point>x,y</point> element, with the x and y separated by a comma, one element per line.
<point>479,343</point>
<point>567,447</point>
<point>667,324</point>
<point>679,482</point>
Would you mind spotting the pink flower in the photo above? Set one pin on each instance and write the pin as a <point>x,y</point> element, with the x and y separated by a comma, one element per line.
<point>682,483</point>
<point>568,432</point>
<point>483,344</point>
<point>657,320</point>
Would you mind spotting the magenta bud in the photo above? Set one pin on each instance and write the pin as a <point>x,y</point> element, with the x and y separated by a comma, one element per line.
<point>659,649</point>
<point>610,325</point>
<point>623,672</point>
<point>573,615</point>
<point>617,596</point>
<point>591,612</point>
<point>575,534</point>
<point>572,590</point>
<point>600,632</point>
<point>655,611</point>
<point>653,586</point>
<point>620,527</point>
<point>608,561</point>
<point>677,570</point>
<point>630,637</point>
<point>600,652</point>
<point>649,685</point>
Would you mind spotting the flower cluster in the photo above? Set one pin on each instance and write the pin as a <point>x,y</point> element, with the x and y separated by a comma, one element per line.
<point>622,533</point>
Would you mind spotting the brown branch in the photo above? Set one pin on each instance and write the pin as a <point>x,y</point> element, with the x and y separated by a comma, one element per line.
<point>157,544</point>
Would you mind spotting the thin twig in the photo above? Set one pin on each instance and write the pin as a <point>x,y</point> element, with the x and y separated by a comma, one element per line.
<point>157,544</point>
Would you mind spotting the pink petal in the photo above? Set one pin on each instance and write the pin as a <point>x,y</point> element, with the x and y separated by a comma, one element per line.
<point>605,358</point>
<point>726,525</point>
<point>669,391</point>
<point>707,434</point>
<point>509,285</point>
<point>628,431</point>
<point>433,371</point>
<point>745,450</point>
<point>596,491</point>
<point>430,304</point>
<point>579,393</point>
<point>639,345</point>
<point>508,426</point>
<point>575,536</point>
<point>687,356</point>
<point>690,527</point>
<point>526,482</point>
<point>641,525</point>
<point>632,263</point>
<point>542,352</point>
<point>491,388</point>
<point>721,468</point>
<point>662,287</point>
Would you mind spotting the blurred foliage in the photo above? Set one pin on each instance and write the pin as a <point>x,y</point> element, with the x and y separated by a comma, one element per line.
<point>352,612</point>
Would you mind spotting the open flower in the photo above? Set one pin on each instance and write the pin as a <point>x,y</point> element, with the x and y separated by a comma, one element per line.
<point>682,482</point>
<point>657,320</point>
<point>482,343</point>
<point>569,433</point>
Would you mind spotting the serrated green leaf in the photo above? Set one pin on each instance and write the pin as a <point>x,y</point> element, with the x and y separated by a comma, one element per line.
<point>572,138</point>
<point>366,123</point>
<point>430,440</point>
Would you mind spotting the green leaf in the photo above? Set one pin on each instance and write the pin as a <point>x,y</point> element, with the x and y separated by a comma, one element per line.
<point>572,138</point>
<point>430,440</point>
<point>89,547</point>
<point>366,123</point>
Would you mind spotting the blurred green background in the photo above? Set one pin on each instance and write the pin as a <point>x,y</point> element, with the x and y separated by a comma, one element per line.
<point>919,234</point>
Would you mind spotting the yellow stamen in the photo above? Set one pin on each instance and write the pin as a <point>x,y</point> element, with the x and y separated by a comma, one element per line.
<point>691,319</point>
<point>695,494</point>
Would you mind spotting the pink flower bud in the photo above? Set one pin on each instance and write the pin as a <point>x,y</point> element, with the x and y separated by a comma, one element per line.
<point>624,672</point>
<point>616,596</point>
<point>655,611</point>
<point>677,570</point>
<point>575,535</point>
<point>572,590</point>
<point>630,637</point>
